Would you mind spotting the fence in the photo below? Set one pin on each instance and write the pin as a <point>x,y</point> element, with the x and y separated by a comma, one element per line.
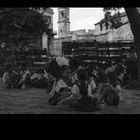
<point>93,52</point>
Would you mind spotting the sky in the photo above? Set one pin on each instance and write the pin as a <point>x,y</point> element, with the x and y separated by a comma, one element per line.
<point>81,18</point>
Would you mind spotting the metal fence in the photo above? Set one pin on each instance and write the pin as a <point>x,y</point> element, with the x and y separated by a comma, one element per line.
<point>94,52</point>
<point>33,57</point>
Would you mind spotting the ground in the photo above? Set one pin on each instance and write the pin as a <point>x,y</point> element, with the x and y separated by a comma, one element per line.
<point>35,101</point>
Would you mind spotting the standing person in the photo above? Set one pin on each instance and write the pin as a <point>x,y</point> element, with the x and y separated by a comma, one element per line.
<point>24,81</point>
<point>132,65</point>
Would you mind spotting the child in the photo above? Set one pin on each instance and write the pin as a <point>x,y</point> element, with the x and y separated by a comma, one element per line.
<point>38,79</point>
<point>111,91</point>
<point>9,77</point>
<point>25,77</point>
<point>82,98</point>
<point>61,88</point>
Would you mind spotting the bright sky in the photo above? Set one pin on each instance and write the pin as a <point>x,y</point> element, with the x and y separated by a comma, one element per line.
<point>81,18</point>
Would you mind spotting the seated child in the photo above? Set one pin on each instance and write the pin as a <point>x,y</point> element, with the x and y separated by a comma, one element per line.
<point>110,92</point>
<point>10,77</point>
<point>81,98</point>
<point>61,88</point>
<point>38,79</point>
<point>25,77</point>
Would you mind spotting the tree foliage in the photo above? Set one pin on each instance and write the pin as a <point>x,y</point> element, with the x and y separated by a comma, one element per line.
<point>21,24</point>
<point>112,15</point>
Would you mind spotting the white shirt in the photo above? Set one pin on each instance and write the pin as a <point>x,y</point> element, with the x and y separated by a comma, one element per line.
<point>35,76</point>
<point>76,90</point>
<point>92,84</point>
<point>24,74</point>
<point>57,86</point>
<point>5,77</point>
<point>74,77</point>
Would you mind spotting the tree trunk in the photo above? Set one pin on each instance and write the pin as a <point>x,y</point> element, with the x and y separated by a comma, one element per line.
<point>134,19</point>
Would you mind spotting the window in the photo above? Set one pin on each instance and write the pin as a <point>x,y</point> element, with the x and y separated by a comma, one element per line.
<point>101,26</point>
<point>106,24</point>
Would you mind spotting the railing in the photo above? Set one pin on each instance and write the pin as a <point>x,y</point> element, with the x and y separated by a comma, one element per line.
<point>93,52</point>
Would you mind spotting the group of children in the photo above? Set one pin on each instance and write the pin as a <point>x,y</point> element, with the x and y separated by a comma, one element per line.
<point>85,88</point>
<point>23,78</point>
<point>71,85</point>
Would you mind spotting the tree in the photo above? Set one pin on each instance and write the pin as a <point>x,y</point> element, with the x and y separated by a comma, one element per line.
<point>134,20</point>
<point>21,25</point>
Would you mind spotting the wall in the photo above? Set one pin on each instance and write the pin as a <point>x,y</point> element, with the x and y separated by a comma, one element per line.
<point>57,45</point>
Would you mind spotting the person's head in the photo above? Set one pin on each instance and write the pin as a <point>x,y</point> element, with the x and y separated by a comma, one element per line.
<point>8,68</point>
<point>111,78</point>
<point>92,70</point>
<point>82,75</point>
<point>74,64</point>
<point>65,71</point>
<point>24,66</point>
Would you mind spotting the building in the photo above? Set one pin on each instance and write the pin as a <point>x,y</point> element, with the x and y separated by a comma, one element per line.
<point>64,33</point>
<point>47,37</point>
<point>105,33</point>
<point>63,22</point>
<point>102,33</point>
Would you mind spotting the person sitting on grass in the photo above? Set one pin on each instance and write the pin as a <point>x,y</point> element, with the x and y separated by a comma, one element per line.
<point>61,72</point>
<point>24,81</point>
<point>62,87</point>
<point>110,92</point>
<point>38,80</point>
<point>81,98</point>
<point>10,77</point>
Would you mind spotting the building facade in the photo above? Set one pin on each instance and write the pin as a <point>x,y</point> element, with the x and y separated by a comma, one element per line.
<point>48,37</point>
<point>123,33</point>
<point>101,33</point>
<point>63,22</point>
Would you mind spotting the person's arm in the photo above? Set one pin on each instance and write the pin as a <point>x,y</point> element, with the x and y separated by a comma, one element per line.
<point>92,84</point>
<point>73,97</point>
